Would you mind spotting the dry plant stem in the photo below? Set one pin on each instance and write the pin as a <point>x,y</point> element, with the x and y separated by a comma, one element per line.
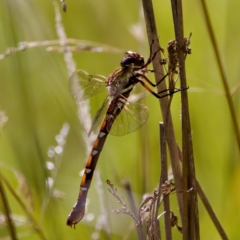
<point>163,179</point>
<point>190,219</point>
<point>37,228</point>
<point>7,211</point>
<point>158,70</point>
<point>222,71</point>
<point>133,207</point>
<point>211,212</point>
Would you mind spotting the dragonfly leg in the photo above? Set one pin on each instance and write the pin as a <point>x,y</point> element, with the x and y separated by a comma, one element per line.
<point>149,81</point>
<point>152,55</point>
<point>157,95</point>
<point>172,92</point>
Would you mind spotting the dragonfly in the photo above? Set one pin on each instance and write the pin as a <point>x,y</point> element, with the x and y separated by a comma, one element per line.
<point>117,115</point>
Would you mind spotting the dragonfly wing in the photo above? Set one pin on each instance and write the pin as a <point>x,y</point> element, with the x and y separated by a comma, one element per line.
<point>131,118</point>
<point>99,116</point>
<point>84,85</point>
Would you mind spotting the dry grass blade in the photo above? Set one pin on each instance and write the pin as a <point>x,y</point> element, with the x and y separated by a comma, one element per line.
<point>211,212</point>
<point>8,214</point>
<point>70,45</point>
<point>190,218</point>
<point>7,211</point>
<point>164,178</point>
<point>37,227</point>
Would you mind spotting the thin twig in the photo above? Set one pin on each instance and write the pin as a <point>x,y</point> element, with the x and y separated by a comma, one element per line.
<point>113,190</point>
<point>222,71</point>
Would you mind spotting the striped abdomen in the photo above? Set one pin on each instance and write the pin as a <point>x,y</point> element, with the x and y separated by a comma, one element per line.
<point>78,210</point>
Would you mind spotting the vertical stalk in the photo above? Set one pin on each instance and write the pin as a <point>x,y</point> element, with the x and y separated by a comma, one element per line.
<point>158,71</point>
<point>163,179</point>
<point>190,216</point>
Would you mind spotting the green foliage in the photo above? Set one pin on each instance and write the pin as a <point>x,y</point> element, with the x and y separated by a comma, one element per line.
<point>35,96</point>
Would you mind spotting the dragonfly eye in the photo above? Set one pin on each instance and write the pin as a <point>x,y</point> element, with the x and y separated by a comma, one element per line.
<point>133,59</point>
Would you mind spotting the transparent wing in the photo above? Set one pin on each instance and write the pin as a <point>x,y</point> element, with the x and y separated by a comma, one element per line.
<point>84,85</point>
<point>99,116</point>
<point>131,118</point>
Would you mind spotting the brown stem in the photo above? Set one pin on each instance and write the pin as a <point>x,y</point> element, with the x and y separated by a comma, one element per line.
<point>190,218</point>
<point>158,71</point>
<point>164,178</point>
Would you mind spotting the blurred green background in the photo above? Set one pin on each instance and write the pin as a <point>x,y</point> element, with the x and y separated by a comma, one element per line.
<point>35,96</point>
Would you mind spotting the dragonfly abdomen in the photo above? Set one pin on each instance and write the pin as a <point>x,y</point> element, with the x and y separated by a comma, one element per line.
<point>78,210</point>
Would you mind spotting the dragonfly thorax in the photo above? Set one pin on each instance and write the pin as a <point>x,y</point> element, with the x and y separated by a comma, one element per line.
<point>120,82</point>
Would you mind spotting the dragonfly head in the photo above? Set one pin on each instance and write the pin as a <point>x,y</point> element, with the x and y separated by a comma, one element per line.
<point>133,60</point>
